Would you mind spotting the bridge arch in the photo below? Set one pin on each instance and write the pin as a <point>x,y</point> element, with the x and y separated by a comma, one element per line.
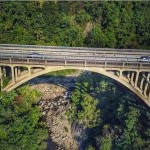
<point>114,74</point>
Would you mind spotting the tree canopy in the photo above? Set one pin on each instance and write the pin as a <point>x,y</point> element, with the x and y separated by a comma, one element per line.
<point>116,24</point>
<point>117,119</point>
<point>20,124</point>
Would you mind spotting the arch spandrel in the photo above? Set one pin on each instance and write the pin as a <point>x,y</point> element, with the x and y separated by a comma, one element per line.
<point>129,80</point>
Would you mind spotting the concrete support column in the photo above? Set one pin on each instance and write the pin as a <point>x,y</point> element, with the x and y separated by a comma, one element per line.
<point>12,74</point>
<point>19,71</point>
<point>136,79</point>
<point>1,78</point>
<point>1,74</point>
<point>132,78</point>
<point>4,71</point>
<point>145,89</point>
<point>141,84</point>
<point>149,95</point>
<point>120,75</point>
<point>144,76</point>
<point>16,73</point>
<point>148,77</point>
<point>128,76</point>
<point>29,71</point>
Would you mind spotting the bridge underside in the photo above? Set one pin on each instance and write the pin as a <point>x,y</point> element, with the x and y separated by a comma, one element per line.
<point>136,80</point>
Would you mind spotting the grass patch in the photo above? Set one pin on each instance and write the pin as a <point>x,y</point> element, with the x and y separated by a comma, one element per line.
<point>61,72</point>
<point>5,81</point>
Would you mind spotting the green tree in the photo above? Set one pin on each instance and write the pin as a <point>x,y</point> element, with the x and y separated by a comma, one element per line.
<point>20,123</point>
<point>96,38</point>
<point>84,107</point>
<point>90,147</point>
<point>89,115</point>
<point>105,143</point>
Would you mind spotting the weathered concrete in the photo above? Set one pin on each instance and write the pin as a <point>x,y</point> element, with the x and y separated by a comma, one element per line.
<point>18,77</point>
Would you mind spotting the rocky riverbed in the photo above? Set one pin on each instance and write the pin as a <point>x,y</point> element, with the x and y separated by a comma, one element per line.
<point>54,103</point>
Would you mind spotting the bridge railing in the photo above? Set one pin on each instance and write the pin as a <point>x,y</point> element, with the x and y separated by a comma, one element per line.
<point>76,62</point>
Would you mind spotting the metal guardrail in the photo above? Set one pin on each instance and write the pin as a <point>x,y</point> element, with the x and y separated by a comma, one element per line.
<point>32,48</point>
<point>50,51</point>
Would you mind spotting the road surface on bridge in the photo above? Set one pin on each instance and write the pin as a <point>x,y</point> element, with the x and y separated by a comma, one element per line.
<point>130,67</point>
<point>30,54</point>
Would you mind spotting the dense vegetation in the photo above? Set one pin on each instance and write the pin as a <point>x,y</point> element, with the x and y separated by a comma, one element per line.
<point>94,23</point>
<point>113,118</point>
<point>20,125</point>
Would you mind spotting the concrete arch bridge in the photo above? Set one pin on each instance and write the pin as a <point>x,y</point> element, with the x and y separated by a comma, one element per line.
<point>21,63</point>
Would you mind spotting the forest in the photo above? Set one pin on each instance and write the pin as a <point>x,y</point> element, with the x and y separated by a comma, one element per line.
<point>116,24</point>
<point>21,125</point>
<point>113,118</point>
